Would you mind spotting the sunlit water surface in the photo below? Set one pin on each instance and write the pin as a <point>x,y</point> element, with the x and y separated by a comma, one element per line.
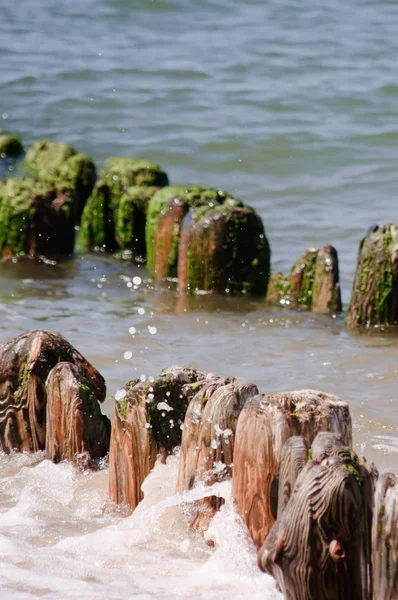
<point>292,108</point>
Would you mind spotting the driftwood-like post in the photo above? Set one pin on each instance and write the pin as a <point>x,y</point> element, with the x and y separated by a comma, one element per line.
<point>374,298</point>
<point>223,249</point>
<point>148,419</point>
<point>76,430</point>
<point>313,283</point>
<point>25,363</point>
<point>208,438</point>
<point>264,424</point>
<point>385,539</point>
<point>318,548</point>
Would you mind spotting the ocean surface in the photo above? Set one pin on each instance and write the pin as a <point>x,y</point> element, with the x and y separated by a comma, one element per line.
<point>290,106</point>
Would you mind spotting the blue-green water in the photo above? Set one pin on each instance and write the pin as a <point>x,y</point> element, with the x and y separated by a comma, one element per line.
<point>292,107</point>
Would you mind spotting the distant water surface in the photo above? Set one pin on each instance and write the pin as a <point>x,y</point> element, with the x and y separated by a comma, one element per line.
<point>290,106</point>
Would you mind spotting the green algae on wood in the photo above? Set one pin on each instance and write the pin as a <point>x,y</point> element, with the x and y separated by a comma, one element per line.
<point>223,248</point>
<point>148,418</point>
<point>166,211</point>
<point>302,279</point>
<point>130,220</point>
<point>313,283</point>
<point>10,146</point>
<point>278,289</point>
<point>97,231</point>
<point>374,298</point>
<point>121,173</point>
<point>36,217</point>
<point>57,161</point>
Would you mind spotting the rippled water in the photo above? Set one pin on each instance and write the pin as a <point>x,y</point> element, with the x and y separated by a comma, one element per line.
<point>290,106</point>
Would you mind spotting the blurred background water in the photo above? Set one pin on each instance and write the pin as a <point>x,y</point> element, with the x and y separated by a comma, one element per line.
<point>291,107</point>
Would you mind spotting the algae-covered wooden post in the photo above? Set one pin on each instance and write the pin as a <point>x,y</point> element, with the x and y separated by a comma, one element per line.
<point>374,298</point>
<point>25,363</point>
<point>223,249</point>
<point>207,445</point>
<point>385,539</point>
<point>148,419</point>
<point>97,231</point>
<point>62,164</point>
<point>313,283</point>
<point>264,424</point>
<point>76,430</point>
<point>166,212</point>
<point>36,217</point>
<point>318,548</point>
<point>115,215</point>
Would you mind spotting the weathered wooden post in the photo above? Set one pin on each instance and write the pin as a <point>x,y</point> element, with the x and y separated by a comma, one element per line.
<point>207,445</point>
<point>148,419</point>
<point>374,298</point>
<point>76,430</point>
<point>223,249</point>
<point>25,363</point>
<point>318,548</point>
<point>264,425</point>
<point>385,539</point>
<point>313,283</point>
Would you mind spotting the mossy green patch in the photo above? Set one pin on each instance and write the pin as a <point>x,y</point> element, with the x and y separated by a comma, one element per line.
<point>59,162</point>
<point>35,217</point>
<point>10,146</point>
<point>278,288</point>
<point>130,219</point>
<point>374,297</point>
<point>97,226</point>
<point>121,173</point>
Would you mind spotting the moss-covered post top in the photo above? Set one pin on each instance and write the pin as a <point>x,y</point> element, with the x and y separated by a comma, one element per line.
<point>374,299</point>
<point>166,211</point>
<point>121,173</point>
<point>57,161</point>
<point>10,146</point>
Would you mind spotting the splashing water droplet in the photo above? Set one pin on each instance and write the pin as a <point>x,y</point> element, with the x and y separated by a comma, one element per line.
<point>120,394</point>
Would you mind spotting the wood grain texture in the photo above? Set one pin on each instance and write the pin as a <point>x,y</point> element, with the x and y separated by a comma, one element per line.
<point>264,425</point>
<point>207,446</point>
<point>141,428</point>
<point>318,548</point>
<point>385,539</point>
<point>25,363</point>
<point>76,430</point>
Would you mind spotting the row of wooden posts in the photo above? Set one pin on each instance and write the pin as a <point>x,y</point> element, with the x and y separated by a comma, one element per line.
<point>323,521</point>
<point>203,237</point>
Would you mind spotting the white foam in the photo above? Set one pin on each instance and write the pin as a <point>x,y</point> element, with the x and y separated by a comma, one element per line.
<point>60,537</point>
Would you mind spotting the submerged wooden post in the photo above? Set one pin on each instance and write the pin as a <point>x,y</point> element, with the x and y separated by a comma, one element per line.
<point>76,430</point>
<point>264,424</point>
<point>385,539</point>
<point>313,282</point>
<point>25,363</point>
<point>148,419</point>
<point>208,438</point>
<point>374,298</point>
